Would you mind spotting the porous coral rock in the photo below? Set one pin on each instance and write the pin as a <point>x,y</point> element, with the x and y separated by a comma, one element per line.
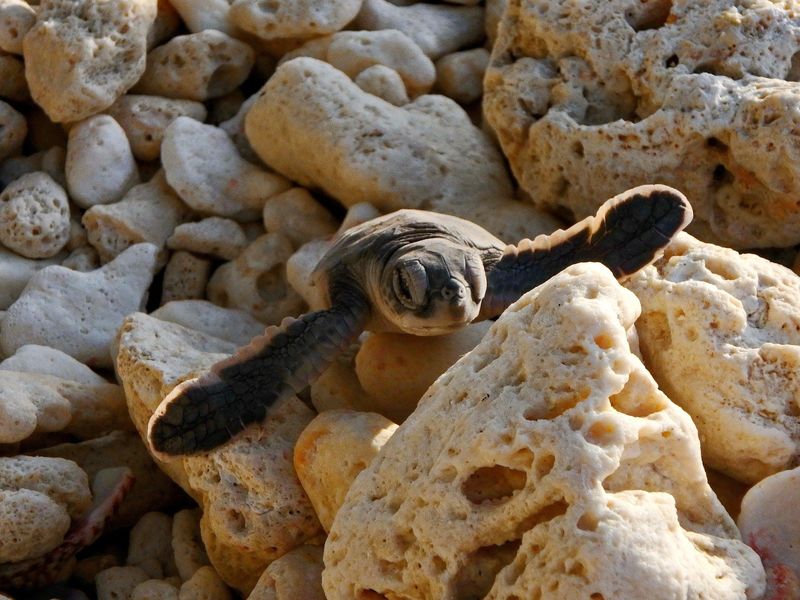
<point>154,589</point>
<point>13,129</point>
<point>198,66</point>
<point>205,584</point>
<point>34,216</point>
<point>354,51</point>
<point>83,259</point>
<point>701,95</point>
<point>256,282</point>
<point>199,15</point>
<point>185,277</point>
<point>16,19</point>
<point>297,215</point>
<point>49,361</point>
<point>81,55</point>
<point>150,545</point>
<point>187,546</point>
<point>100,166</point>
<point>254,509</point>
<point>229,324</point>
<point>332,450</point>
<point>437,28</point>
<point>78,313</point>
<point>12,79</point>
<point>144,119</point>
<point>205,169</point>
<point>720,331</point>
<point>318,128</point>
<point>460,75</point>
<point>296,574</point>
<point>118,582</point>
<point>16,271</point>
<point>216,236</point>
<point>383,82</point>
<point>281,19</point>
<point>552,456</point>
<point>149,212</point>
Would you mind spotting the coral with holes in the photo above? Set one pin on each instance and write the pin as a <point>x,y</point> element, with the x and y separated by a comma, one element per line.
<point>720,331</point>
<point>589,99</point>
<point>559,468</point>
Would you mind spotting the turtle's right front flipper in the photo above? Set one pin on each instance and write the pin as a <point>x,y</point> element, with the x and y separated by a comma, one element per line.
<point>628,232</point>
<point>201,414</point>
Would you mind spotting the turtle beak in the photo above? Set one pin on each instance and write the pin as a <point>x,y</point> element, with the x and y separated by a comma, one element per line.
<point>458,300</point>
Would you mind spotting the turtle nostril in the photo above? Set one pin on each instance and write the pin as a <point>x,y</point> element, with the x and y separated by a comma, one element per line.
<point>453,289</point>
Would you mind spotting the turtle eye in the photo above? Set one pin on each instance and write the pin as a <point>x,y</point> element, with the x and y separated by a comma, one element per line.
<point>410,282</point>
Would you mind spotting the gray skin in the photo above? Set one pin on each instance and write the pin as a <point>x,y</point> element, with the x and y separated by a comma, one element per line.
<point>414,272</point>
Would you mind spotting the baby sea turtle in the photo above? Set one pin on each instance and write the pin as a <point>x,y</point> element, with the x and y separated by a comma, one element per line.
<point>414,272</point>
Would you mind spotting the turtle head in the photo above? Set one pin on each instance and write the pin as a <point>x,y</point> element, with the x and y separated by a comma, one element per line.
<point>433,287</point>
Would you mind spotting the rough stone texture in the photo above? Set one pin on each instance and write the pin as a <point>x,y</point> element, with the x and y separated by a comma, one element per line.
<point>15,272</point>
<point>235,326</point>
<point>154,589</point>
<point>558,466</point>
<point>144,119</point>
<point>256,281</point>
<point>437,28</point>
<point>397,369</point>
<point>296,574</point>
<point>281,19</point>
<point>494,13</point>
<point>199,15</point>
<point>185,277</point>
<point>83,259</point>
<point>700,95</point>
<point>769,526</point>
<point>16,19</point>
<point>254,509</point>
<point>354,51</point>
<point>151,491</point>
<point>49,361</point>
<point>13,130</point>
<point>13,85</point>
<point>206,171</point>
<point>318,128</point>
<point>34,216</point>
<point>167,23</point>
<point>100,166</point>
<point>187,544</point>
<point>297,215</point>
<point>81,55</point>
<point>335,447</point>
<point>720,331</point>
<point>205,584</point>
<point>234,127</point>
<point>149,212</point>
<point>150,545</point>
<point>222,238</point>
<point>198,66</point>
<point>383,82</point>
<point>460,75</point>
<point>118,583</point>
<point>78,313</point>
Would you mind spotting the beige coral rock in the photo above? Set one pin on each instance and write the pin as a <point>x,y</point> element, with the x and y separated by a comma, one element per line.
<point>256,282</point>
<point>587,104</point>
<point>216,236</point>
<point>152,490</point>
<point>186,277</point>
<point>49,361</point>
<point>78,313</point>
<point>234,127</point>
<point>100,167</point>
<point>205,584</point>
<point>149,212</point>
<point>81,55</point>
<point>205,169</point>
<point>335,447</point>
<point>33,524</point>
<point>359,148</point>
<point>34,216</point>
<point>83,259</point>
<point>13,85</point>
<point>281,19</point>
<point>338,386</point>
<point>62,480</point>
<point>13,129</point>
<point>559,468</point>
<point>494,13</point>
<point>297,215</point>
<point>383,82</point>
<point>154,589</point>
<point>144,119</point>
<point>229,324</point>
<point>187,545</point>
<point>437,28</point>
<point>117,583</point>
<point>397,369</point>
<point>720,331</point>
<point>460,75</point>
<point>254,509</point>
<point>769,526</point>
<point>167,22</point>
<point>15,272</point>
<point>354,51</point>
<point>198,66</point>
<point>296,574</point>
<point>199,15</point>
<point>50,161</point>
<point>16,19</point>
<point>150,545</point>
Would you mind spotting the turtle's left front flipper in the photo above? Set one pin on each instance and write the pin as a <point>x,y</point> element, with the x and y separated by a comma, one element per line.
<point>628,232</point>
<point>201,414</point>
